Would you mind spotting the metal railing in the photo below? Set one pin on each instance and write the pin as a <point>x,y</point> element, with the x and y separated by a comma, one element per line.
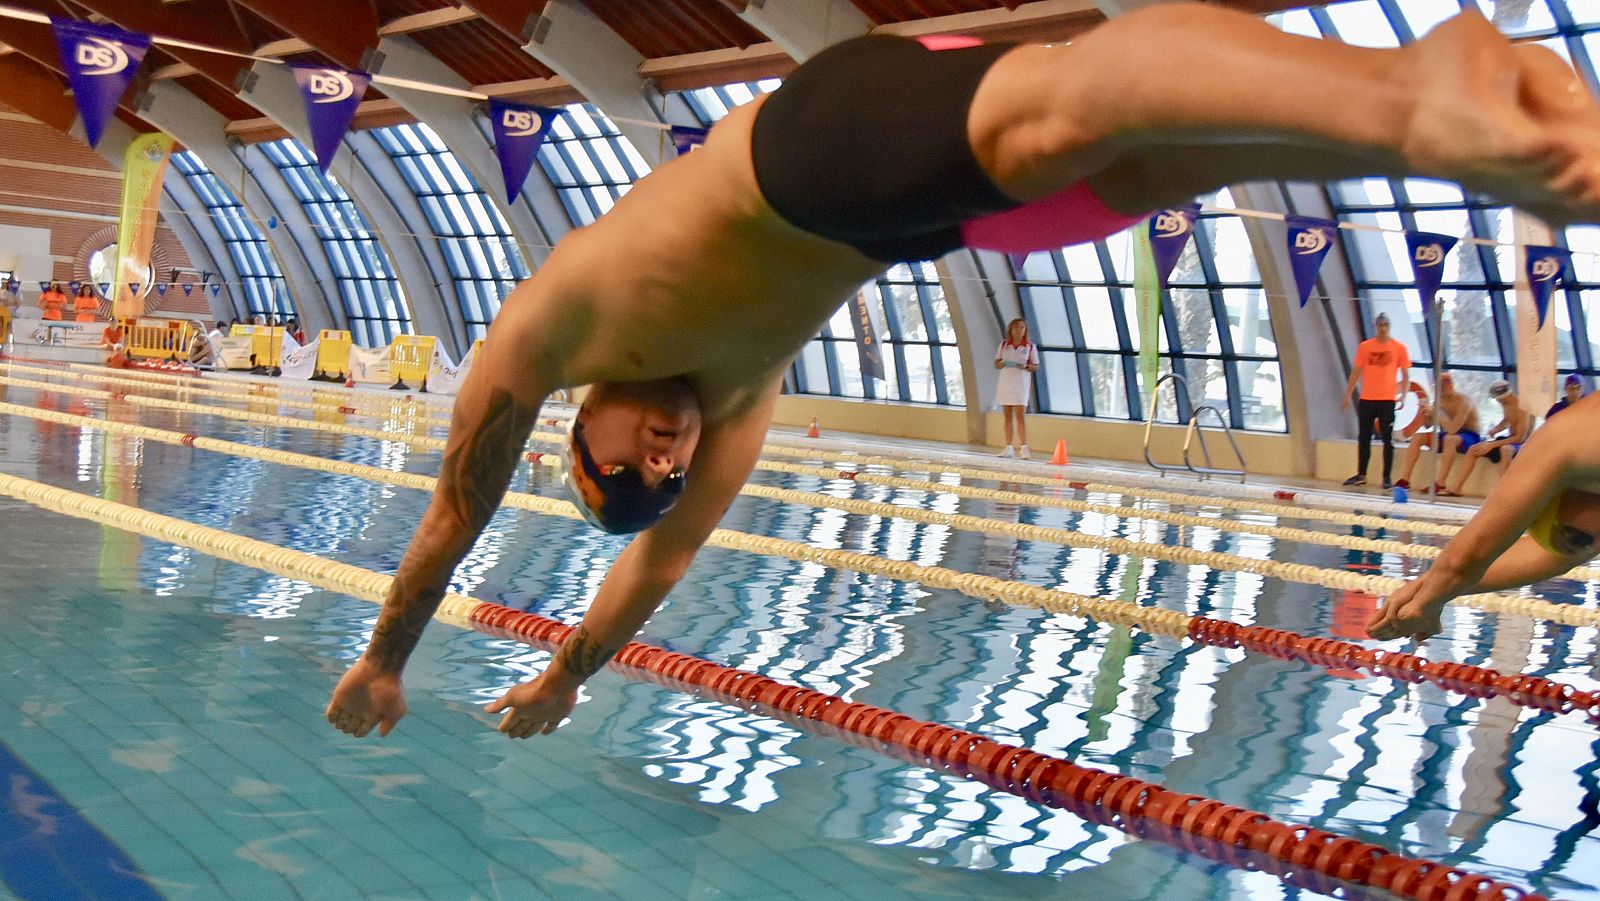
<point>1193,433</point>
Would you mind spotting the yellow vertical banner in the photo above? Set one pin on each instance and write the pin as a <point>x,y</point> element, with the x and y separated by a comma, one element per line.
<point>143,168</point>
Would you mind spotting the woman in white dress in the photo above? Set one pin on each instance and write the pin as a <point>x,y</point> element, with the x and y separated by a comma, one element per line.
<point>1017,359</point>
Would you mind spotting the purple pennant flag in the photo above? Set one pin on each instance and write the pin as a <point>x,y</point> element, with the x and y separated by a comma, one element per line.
<point>1427,264</point>
<point>161,288</point>
<point>14,286</point>
<point>519,129</point>
<point>687,139</point>
<point>1547,267</point>
<point>1169,232</point>
<point>133,288</point>
<point>43,287</point>
<point>105,289</point>
<point>1309,242</point>
<point>188,288</point>
<point>74,285</point>
<point>331,97</point>
<point>100,61</point>
<point>215,290</point>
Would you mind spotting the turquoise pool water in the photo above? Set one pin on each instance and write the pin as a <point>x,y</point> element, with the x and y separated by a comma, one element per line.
<point>161,729</point>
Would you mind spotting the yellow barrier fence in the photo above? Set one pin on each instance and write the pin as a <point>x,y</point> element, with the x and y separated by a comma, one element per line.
<point>410,357</point>
<point>158,339</point>
<point>333,355</point>
<point>266,342</point>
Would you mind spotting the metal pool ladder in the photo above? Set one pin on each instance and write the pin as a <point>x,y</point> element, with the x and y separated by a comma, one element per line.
<point>1192,432</point>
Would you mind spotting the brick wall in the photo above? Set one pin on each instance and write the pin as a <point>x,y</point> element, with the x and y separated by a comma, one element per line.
<point>49,180</point>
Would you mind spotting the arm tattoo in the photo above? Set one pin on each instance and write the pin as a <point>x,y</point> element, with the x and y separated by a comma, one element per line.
<point>405,614</point>
<point>472,480</point>
<point>583,656</point>
<point>477,468</point>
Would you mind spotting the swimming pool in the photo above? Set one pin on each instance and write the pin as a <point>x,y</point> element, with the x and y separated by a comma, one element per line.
<point>161,714</point>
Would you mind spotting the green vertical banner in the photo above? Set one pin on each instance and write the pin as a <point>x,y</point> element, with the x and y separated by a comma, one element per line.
<point>1147,304</point>
<point>1157,247</point>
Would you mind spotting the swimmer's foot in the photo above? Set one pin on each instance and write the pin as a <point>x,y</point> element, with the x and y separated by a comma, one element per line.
<point>1514,122</point>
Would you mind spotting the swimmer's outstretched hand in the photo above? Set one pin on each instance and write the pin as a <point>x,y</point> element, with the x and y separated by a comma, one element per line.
<point>534,707</point>
<point>1407,613</point>
<point>367,697</point>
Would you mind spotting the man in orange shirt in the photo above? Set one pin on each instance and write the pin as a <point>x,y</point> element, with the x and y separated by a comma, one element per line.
<point>1378,360</point>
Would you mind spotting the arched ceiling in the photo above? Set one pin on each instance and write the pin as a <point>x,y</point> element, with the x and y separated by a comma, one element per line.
<point>491,44</point>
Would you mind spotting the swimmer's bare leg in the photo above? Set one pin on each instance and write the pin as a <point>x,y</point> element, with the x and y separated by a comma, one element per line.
<point>1461,104</point>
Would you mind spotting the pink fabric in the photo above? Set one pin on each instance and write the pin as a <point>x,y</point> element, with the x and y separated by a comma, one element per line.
<point>1071,216</point>
<point>948,41</point>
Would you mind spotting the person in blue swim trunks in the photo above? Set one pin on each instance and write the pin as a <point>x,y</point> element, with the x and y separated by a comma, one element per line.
<point>1458,421</point>
<point>1511,432</point>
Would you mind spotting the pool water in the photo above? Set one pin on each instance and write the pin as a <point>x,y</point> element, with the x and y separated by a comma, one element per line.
<point>161,730</point>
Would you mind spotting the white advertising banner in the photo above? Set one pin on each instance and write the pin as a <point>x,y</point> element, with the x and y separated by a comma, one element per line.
<point>371,366</point>
<point>295,361</point>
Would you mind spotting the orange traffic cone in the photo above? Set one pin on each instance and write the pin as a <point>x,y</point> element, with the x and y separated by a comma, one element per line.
<point>350,381</point>
<point>812,432</point>
<point>1060,457</point>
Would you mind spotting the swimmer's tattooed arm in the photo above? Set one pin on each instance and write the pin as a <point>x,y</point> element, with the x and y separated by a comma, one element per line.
<point>582,655</point>
<point>486,440</point>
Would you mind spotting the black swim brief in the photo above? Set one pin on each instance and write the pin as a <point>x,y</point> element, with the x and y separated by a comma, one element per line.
<point>866,144</point>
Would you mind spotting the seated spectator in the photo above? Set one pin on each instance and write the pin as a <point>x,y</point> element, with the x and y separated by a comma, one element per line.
<point>202,353</point>
<point>218,333</point>
<point>53,302</point>
<point>85,306</point>
<point>295,331</point>
<point>1458,422</point>
<point>1517,425</point>
<point>1572,390</point>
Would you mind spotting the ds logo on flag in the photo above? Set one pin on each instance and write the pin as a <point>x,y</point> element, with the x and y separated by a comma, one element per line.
<point>1546,269</point>
<point>99,56</point>
<point>1310,241</point>
<point>519,123</point>
<point>1170,224</point>
<point>330,85</point>
<point>1429,255</point>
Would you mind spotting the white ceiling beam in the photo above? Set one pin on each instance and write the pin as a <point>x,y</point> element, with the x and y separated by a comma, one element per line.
<point>438,18</point>
<point>804,27</point>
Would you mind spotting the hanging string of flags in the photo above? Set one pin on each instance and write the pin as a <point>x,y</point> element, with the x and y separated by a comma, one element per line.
<point>101,60</point>
<point>1309,240</point>
<point>160,288</point>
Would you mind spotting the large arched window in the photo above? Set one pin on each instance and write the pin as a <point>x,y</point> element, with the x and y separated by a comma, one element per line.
<point>907,306</point>
<point>589,162</point>
<point>264,289</point>
<point>916,344</point>
<point>1215,330</point>
<point>375,304</point>
<point>485,262</point>
<point>1477,295</point>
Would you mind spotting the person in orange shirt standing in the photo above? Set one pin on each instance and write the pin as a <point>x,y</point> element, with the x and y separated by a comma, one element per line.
<point>52,302</point>
<point>1379,360</point>
<point>86,306</point>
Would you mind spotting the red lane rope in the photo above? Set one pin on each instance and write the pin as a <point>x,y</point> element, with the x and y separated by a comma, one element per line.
<point>1220,831</point>
<point>1535,692</point>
